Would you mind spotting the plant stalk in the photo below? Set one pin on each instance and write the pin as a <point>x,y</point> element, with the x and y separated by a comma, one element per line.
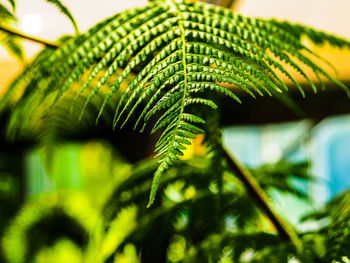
<point>17,33</point>
<point>225,3</point>
<point>257,193</point>
<point>251,185</point>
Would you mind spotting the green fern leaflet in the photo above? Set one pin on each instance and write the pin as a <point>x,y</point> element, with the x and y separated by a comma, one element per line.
<point>170,54</point>
<point>10,43</point>
<point>64,10</point>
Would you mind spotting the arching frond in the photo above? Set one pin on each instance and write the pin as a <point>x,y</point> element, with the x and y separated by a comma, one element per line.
<point>5,13</point>
<point>10,42</point>
<point>76,220</point>
<point>64,10</point>
<point>12,3</point>
<point>12,45</point>
<point>164,58</point>
<point>338,236</point>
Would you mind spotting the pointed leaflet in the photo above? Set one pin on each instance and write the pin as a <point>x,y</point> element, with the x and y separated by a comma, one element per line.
<point>64,10</point>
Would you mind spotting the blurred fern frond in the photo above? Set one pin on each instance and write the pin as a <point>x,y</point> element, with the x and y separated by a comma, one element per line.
<point>43,222</point>
<point>186,218</point>
<point>64,10</point>
<point>338,235</point>
<point>165,57</point>
<point>9,42</point>
<point>12,3</point>
<point>188,207</point>
<point>5,13</point>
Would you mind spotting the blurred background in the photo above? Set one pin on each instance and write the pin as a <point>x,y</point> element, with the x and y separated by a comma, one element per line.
<point>259,132</point>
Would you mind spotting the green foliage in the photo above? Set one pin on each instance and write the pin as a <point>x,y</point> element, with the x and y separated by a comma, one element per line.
<point>9,42</point>
<point>283,170</point>
<point>338,238</point>
<point>12,45</point>
<point>192,225</point>
<point>45,221</point>
<point>187,223</point>
<point>64,10</point>
<point>166,65</point>
<point>5,13</point>
<point>8,20</point>
<point>169,55</point>
<point>13,4</point>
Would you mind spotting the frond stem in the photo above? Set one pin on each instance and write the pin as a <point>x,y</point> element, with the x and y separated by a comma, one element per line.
<point>17,33</point>
<point>285,231</point>
<point>225,3</point>
<point>183,39</point>
<point>178,122</point>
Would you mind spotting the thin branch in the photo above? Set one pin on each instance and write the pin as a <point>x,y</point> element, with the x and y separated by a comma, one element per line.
<point>225,3</point>
<point>285,231</point>
<point>17,33</point>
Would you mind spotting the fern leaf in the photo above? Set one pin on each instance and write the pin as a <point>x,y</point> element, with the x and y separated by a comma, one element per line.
<point>12,45</point>
<point>338,238</point>
<point>169,54</point>
<point>9,42</point>
<point>13,4</point>
<point>6,14</point>
<point>64,10</point>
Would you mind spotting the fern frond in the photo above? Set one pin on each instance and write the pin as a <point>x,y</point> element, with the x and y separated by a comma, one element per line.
<point>23,80</point>
<point>64,10</point>
<point>8,41</point>
<point>202,211</point>
<point>12,45</point>
<point>316,36</point>
<point>5,14</point>
<point>49,210</point>
<point>13,4</point>
<point>338,238</point>
<point>164,58</point>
